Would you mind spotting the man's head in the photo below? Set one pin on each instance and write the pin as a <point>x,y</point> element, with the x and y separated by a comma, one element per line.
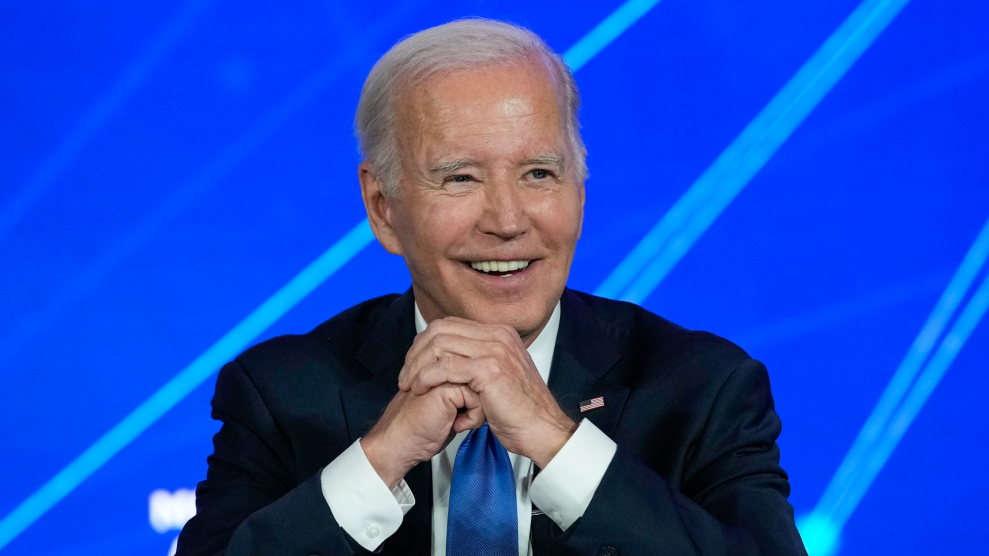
<point>474,163</point>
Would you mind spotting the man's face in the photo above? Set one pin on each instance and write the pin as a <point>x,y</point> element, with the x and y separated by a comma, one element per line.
<point>489,210</point>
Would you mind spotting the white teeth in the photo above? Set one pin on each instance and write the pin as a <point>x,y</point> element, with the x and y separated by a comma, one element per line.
<point>499,266</point>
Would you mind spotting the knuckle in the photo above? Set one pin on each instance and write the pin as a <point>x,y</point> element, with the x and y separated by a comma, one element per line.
<point>492,366</point>
<point>503,334</point>
<point>502,350</point>
<point>440,340</point>
<point>445,364</point>
<point>443,338</point>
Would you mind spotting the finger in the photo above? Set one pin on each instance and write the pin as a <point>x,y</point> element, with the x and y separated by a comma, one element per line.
<point>461,327</point>
<point>472,400</point>
<point>439,346</point>
<point>472,419</point>
<point>445,370</point>
<point>474,416</point>
<point>424,347</point>
<point>466,328</point>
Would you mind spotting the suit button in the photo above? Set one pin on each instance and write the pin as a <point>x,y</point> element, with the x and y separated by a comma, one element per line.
<point>608,551</point>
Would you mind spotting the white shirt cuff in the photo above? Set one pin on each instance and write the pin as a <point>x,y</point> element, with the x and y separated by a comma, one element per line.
<point>564,488</point>
<point>361,503</point>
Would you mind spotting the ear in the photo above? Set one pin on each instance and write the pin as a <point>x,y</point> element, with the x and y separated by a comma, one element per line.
<point>583,199</point>
<point>380,209</point>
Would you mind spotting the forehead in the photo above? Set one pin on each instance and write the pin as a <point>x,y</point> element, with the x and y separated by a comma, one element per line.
<point>479,105</point>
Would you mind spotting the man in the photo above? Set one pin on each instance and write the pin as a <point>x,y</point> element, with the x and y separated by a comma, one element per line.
<point>489,410</point>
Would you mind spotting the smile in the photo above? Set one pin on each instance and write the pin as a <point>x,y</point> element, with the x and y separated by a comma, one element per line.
<point>499,268</point>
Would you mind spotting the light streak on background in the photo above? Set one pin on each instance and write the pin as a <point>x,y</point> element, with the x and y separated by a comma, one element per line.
<point>176,389</point>
<point>935,370</point>
<point>232,343</point>
<point>203,181</point>
<point>608,30</point>
<point>889,420</point>
<point>97,117</point>
<point>652,259</point>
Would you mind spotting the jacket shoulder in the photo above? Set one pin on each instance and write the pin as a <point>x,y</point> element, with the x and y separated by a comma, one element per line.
<point>647,336</point>
<point>335,341</point>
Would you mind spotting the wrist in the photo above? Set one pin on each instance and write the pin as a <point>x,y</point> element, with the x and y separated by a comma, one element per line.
<point>385,462</point>
<point>553,441</point>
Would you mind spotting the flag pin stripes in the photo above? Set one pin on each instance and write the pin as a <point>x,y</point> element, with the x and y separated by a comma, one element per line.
<point>593,403</point>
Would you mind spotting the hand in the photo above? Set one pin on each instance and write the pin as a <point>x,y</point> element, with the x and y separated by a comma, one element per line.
<point>414,428</point>
<point>491,361</point>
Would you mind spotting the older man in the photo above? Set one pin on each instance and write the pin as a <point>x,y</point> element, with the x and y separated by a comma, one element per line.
<point>488,410</point>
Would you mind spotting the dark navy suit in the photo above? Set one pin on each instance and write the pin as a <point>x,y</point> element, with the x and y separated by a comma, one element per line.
<point>696,472</point>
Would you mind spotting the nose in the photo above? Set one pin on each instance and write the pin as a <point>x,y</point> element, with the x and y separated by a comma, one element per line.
<point>504,212</point>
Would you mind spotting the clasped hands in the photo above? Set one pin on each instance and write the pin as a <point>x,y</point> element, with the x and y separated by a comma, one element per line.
<point>457,375</point>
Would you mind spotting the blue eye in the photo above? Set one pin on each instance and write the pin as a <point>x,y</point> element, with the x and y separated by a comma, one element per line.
<point>463,178</point>
<point>540,174</point>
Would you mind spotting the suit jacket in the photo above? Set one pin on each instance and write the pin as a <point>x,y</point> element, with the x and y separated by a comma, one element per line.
<point>696,472</point>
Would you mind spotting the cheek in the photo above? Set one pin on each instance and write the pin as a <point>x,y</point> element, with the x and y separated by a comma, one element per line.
<point>443,222</point>
<point>558,218</point>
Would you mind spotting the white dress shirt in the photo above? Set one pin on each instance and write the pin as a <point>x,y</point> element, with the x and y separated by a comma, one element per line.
<point>370,512</point>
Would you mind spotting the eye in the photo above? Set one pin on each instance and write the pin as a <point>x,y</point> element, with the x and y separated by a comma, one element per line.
<point>460,183</point>
<point>540,174</point>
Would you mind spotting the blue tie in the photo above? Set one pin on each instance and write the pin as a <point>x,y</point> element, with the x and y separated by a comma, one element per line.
<point>483,517</point>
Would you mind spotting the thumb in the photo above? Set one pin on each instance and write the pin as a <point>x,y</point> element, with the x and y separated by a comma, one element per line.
<point>473,416</point>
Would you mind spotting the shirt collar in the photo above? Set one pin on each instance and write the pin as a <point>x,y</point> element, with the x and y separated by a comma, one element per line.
<point>542,348</point>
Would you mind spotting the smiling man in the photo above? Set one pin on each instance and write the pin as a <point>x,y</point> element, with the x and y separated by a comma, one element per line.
<point>489,409</point>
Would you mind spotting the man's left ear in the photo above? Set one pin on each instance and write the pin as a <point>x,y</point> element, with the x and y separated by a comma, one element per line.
<point>379,209</point>
<point>583,198</point>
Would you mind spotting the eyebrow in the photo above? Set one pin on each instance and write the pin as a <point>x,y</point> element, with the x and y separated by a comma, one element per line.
<point>544,160</point>
<point>447,166</point>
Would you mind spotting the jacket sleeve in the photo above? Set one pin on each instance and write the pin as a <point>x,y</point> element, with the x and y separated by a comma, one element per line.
<point>250,502</point>
<point>734,496</point>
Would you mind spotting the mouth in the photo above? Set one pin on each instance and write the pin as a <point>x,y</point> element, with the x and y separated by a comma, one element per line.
<point>502,269</point>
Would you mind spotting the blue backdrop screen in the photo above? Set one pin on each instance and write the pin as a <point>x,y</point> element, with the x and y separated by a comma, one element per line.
<point>169,169</point>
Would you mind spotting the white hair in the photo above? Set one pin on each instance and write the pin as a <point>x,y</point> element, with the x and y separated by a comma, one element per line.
<point>458,45</point>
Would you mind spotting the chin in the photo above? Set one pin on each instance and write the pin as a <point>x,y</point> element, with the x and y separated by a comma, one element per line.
<point>525,316</point>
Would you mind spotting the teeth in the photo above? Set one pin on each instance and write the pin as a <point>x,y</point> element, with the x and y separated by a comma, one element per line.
<point>499,266</point>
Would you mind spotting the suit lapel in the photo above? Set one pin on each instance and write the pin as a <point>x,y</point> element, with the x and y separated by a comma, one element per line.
<point>586,349</point>
<point>383,355</point>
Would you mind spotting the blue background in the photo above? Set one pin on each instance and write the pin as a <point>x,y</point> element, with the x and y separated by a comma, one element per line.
<point>167,166</point>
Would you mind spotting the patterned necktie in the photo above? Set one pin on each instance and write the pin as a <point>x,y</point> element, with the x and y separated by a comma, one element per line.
<point>483,516</point>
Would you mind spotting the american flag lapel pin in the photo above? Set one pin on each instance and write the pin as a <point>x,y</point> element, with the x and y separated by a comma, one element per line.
<point>592,403</point>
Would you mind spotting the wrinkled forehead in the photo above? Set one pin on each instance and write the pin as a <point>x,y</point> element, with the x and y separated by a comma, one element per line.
<point>476,96</point>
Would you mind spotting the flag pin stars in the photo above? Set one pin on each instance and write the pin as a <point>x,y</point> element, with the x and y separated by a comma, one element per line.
<point>592,403</point>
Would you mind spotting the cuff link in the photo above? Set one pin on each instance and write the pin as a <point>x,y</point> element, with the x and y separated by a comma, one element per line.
<point>372,530</point>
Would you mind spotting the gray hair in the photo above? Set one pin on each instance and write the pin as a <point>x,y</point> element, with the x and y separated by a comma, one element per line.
<point>458,45</point>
